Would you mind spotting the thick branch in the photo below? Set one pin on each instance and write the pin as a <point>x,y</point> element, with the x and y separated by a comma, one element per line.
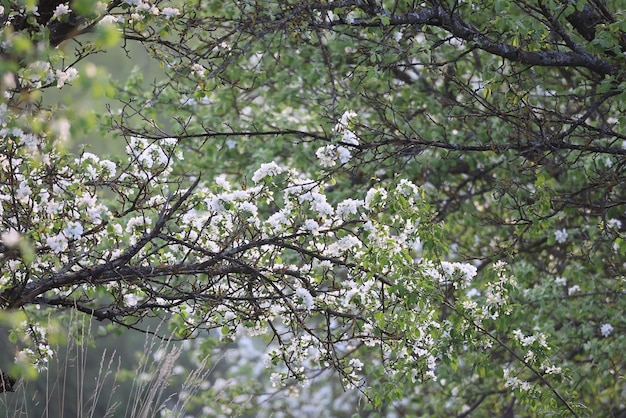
<point>125,273</point>
<point>439,17</point>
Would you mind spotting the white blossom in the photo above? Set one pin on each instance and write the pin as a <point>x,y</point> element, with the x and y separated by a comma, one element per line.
<point>66,76</point>
<point>561,235</point>
<point>312,226</point>
<point>109,167</point>
<point>305,297</point>
<point>61,128</point>
<point>278,221</point>
<point>606,330</point>
<point>374,193</point>
<point>346,118</point>
<point>329,154</point>
<point>198,70</point>
<point>110,19</point>
<point>130,299</point>
<point>326,155</point>
<point>101,7</point>
<point>266,170</point>
<point>349,207</point>
<point>356,363</point>
<point>61,9</point>
<point>553,370</point>
<point>573,290</point>
<point>343,245</point>
<point>343,154</point>
<point>10,238</point>
<point>350,137</point>
<point>73,230</point>
<point>23,192</point>
<point>407,188</point>
<point>170,12</point>
<point>614,223</point>
<point>276,379</point>
<point>57,243</point>
<point>137,221</point>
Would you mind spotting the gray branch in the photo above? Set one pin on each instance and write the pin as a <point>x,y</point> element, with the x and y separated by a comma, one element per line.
<point>439,17</point>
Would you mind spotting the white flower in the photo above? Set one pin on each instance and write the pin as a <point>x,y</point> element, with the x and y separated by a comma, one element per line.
<point>606,330</point>
<point>39,73</point>
<point>223,182</point>
<point>57,243</point>
<point>10,238</point>
<point>525,340</point>
<point>73,230</point>
<point>62,9</point>
<point>110,168</point>
<point>573,290</point>
<point>326,155</point>
<point>346,118</point>
<point>407,188</point>
<point>65,76</point>
<point>278,221</point>
<point>348,207</point>
<point>110,19</point>
<point>266,170</point>
<point>330,153</point>
<point>356,363</point>
<point>198,69</point>
<point>168,141</point>
<point>321,206</point>
<point>305,297</point>
<point>170,12</point>
<point>311,225</point>
<point>276,379</point>
<point>553,370</point>
<point>61,128</point>
<point>101,7</point>
<point>23,192</point>
<point>469,271</point>
<point>343,154</point>
<point>560,281</point>
<point>561,235</point>
<point>343,245</point>
<point>131,299</point>
<point>372,194</point>
<point>614,223</point>
<point>95,214</point>
<point>350,137</point>
<point>137,221</point>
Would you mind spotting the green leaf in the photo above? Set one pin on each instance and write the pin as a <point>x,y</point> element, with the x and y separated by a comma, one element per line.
<point>501,5</point>
<point>107,36</point>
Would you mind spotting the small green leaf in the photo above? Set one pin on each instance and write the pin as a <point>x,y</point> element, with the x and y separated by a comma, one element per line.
<point>501,5</point>
<point>107,36</point>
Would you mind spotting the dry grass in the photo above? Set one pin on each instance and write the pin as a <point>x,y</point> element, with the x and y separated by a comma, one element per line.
<point>77,386</point>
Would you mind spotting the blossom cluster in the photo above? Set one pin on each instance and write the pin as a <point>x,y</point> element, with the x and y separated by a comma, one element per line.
<point>40,74</point>
<point>39,353</point>
<point>278,251</point>
<point>329,154</point>
<point>140,10</point>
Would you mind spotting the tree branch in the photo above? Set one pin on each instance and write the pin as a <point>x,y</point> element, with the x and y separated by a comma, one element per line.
<point>439,17</point>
